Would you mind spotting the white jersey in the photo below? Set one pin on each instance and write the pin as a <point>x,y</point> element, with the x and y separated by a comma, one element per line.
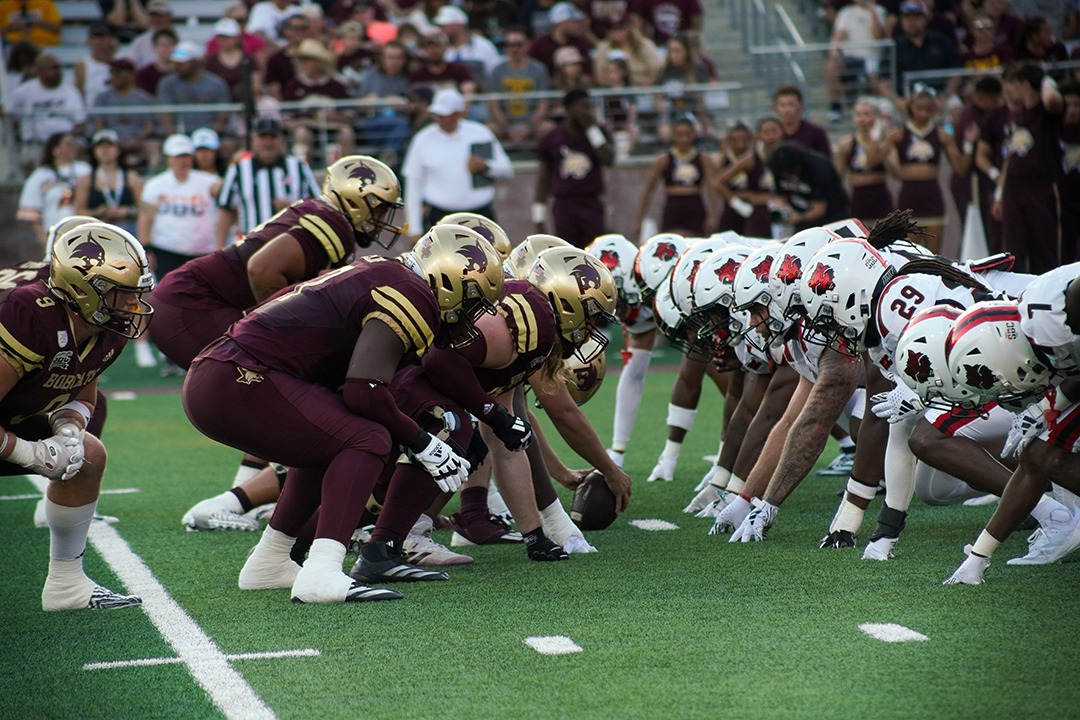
<point>753,360</point>
<point>48,196</point>
<point>186,213</point>
<point>1042,318</point>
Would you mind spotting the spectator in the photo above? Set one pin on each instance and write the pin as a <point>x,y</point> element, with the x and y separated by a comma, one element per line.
<point>1038,44</point>
<point>177,213</point>
<point>253,45</point>
<point>353,50</point>
<point>491,18</point>
<point>536,16</point>
<point>788,106</point>
<point>985,110</point>
<point>280,69</point>
<point>437,72</point>
<point>92,73</point>
<point>669,18</point>
<point>45,106</point>
<point>641,55</point>
<point>268,17</point>
<point>984,53</point>
<point>1007,27</point>
<point>48,195</point>
<point>110,191</point>
<point>467,47</point>
<point>423,17</point>
<point>811,191</point>
<point>451,166</point>
<point>920,48</point>
<point>1070,182</point>
<point>515,119</point>
<point>387,126</point>
<point>686,172</point>
<point>20,63</point>
<point>683,67</point>
<point>856,24</point>
<point>1026,201</point>
<point>736,149</point>
<point>230,61</point>
<point>149,76</point>
<point>603,15</point>
<point>135,130</point>
<point>190,85</point>
<point>570,70</point>
<point>262,182</point>
<point>142,49</point>
<point>37,21</point>
<point>621,111</point>
<point>748,179</point>
<point>127,18</point>
<point>314,81</point>
<point>206,157</point>
<point>317,27</point>
<point>571,159</point>
<point>567,27</point>
<point>860,156</point>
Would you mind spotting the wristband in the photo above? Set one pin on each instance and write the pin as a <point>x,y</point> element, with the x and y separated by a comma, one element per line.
<point>999,192</point>
<point>421,441</point>
<point>993,173</point>
<point>595,136</point>
<point>22,454</point>
<point>4,444</point>
<point>78,407</point>
<point>969,147</point>
<point>539,212</point>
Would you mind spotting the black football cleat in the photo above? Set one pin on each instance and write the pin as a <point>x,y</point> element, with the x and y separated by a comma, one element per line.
<point>382,562</point>
<point>837,539</point>
<point>541,548</point>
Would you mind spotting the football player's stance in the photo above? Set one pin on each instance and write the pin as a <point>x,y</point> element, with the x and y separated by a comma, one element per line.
<point>289,360</point>
<point>56,337</point>
<point>197,303</point>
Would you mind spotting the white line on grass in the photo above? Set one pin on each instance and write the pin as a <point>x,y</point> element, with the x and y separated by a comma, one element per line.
<point>141,662</point>
<point>552,644</point>
<point>653,524</point>
<point>38,496</point>
<point>892,633</point>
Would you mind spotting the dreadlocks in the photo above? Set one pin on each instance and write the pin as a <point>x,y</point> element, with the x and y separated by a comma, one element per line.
<point>944,270</point>
<point>897,225</point>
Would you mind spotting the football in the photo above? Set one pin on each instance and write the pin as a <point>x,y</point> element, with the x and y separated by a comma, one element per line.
<point>593,507</point>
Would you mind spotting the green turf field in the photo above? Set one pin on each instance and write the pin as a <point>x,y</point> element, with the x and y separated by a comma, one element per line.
<point>672,624</point>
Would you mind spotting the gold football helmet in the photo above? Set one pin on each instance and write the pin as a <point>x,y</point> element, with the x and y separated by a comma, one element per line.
<point>463,270</point>
<point>488,229</point>
<point>582,295</point>
<point>524,255</point>
<point>368,192</point>
<point>92,266</point>
<point>68,223</point>
<point>585,378</point>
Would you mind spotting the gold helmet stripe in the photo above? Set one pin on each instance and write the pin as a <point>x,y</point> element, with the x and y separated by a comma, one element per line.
<point>399,307</point>
<point>525,320</point>
<point>29,359</point>
<point>325,235</point>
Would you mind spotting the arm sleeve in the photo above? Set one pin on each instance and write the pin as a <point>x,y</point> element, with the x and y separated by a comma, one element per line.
<point>369,398</point>
<point>452,373</point>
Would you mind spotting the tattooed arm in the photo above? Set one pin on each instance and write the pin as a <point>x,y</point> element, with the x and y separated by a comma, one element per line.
<point>838,376</point>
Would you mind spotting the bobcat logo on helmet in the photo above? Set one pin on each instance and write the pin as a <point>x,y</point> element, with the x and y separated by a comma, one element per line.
<point>790,270</point>
<point>822,280</point>
<point>586,276</point>
<point>918,367</point>
<point>485,232</point>
<point>726,272</point>
<point>475,256</point>
<point>978,376</point>
<point>693,271</point>
<point>609,258</point>
<point>364,174</point>
<point>665,251</point>
<point>90,252</point>
<point>585,377</point>
<point>761,270</point>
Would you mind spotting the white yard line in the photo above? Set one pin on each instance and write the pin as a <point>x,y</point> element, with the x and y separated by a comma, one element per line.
<point>38,496</point>
<point>141,662</point>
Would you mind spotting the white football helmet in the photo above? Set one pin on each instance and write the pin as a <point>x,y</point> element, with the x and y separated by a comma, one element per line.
<point>713,293</point>
<point>920,359</point>
<point>618,255</point>
<point>838,288</point>
<point>989,355</point>
<point>655,259</point>
<point>752,288</point>
<point>784,276</point>
<point>686,270</point>
<point>669,320</point>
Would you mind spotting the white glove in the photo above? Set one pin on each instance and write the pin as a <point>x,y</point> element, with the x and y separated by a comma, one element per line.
<point>664,470</point>
<point>723,499</point>
<point>756,525</point>
<point>57,458</point>
<point>1026,426</point>
<point>708,478</point>
<point>742,207</point>
<point>731,517</point>
<point>703,499</point>
<point>444,465</point>
<point>970,571</point>
<point>898,404</point>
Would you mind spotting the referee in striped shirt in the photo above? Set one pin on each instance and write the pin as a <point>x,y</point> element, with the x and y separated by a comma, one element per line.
<point>262,183</point>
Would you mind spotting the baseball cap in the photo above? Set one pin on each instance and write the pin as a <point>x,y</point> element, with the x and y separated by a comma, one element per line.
<point>447,102</point>
<point>105,135</point>
<point>205,138</point>
<point>123,64</point>
<point>268,126</point>
<point>913,7</point>
<point>564,12</point>
<point>178,145</point>
<point>186,51</point>
<point>227,27</point>
<point>450,15</point>
<point>567,55</point>
<point>160,7</point>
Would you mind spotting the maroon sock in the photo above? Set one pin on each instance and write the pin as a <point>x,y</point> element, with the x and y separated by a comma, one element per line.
<point>346,487</point>
<point>304,539</point>
<point>300,498</point>
<point>410,493</point>
<point>474,502</point>
<point>245,501</point>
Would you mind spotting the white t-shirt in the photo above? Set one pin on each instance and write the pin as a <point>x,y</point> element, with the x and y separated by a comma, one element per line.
<point>265,17</point>
<point>858,23</point>
<point>97,79</point>
<point>48,195</point>
<point>186,212</point>
<point>44,112</point>
<point>478,51</point>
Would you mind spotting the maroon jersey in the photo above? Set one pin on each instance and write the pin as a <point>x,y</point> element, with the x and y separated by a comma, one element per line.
<point>811,136</point>
<point>298,89</point>
<point>309,330</point>
<point>16,275</point>
<point>37,340</point>
<point>574,163</point>
<point>685,173</point>
<point>1034,145</point>
<point>915,147</point>
<point>532,325</point>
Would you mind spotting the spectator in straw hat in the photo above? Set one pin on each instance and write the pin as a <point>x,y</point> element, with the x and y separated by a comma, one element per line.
<point>314,82</point>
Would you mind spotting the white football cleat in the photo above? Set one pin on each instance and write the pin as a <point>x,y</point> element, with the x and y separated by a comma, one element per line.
<point>68,588</point>
<point>1053,540</point>
<point>264,570</point>
<point>577,544</point>
<point>221,512</point>
<point>970,571</point>
<point>664,470</point>
<point>422,551</point>
<point>880,549</point>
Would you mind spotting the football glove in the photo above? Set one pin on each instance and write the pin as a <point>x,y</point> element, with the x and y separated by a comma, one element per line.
<point>731,517</point>
<point>1026,426</point>
<point>708,478</point>
<point>898,404</point>
<point>514,432</point>
<point>755,527</point>
<point>970,571</point>
<point>57,458</point>
<point>447,468</point>
<point>723,499</point>
<point>703,499</point>
<point>664,470</point>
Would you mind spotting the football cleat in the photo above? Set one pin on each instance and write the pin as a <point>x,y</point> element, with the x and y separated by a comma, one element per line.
<point>322,583</point>
<point>422,551</point>
<point>265,571</point>
<point>880,549</point>
<point>981,500</point>
<point>577,544</point>
<point>840,465</point>
<point>837,539</point>
<point>221,512</point>
<point>1053,540</point>
<point>383,562</point>
<point>82,593</point>
<point>105,599</point>
<point>544,549</point>
<point>970,571</point>
<point>483,530</point>
<point>616,457</point>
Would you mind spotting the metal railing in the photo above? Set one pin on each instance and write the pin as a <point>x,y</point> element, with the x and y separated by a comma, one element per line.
<point>940,77</point>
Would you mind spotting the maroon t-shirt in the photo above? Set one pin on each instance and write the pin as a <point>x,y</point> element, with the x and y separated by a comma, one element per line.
<point>451,77</point>
<point>298,89</point>
<point>36,336</point>
<point>543,48</point>
<point>148,78</point>
<point>573,162</point>
<point>1033,149</point>
<point>670,17</point>
<point>603,13</point>
<point>280,68</point>
<point>233,76</point>
<point>309,330</point>
<point>811,136</point>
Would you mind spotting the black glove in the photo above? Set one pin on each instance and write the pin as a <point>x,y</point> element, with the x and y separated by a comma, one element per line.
<point>514,432</point>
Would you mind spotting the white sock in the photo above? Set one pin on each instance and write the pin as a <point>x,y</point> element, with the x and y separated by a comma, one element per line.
<point>495,502</point>
<point>276,543</point>
<point>558,523</point>
<point>68,527</point>
<point>628,397</point>
<point>735,484</point>
<point>243,474</point>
